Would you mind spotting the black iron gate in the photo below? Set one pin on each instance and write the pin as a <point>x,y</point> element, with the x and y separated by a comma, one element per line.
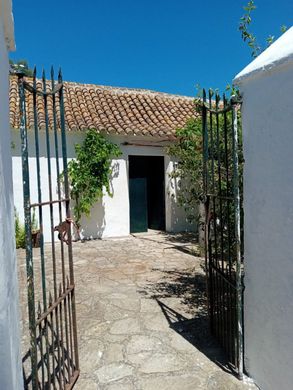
<point>222,167</point>
<point>52,359</point>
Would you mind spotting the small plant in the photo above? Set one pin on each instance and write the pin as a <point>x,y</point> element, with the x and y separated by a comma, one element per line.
<point>90,173</point>
<point>19,231</point>
<point>20,66</point>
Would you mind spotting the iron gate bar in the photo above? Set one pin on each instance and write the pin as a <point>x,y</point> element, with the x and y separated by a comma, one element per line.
<point>222,207</point>
<point>28,239</point>
<point>60,201</point>
<point>66,182</point>
<point>53,334</point>
<point>36,133</point>
<point>239,288</point>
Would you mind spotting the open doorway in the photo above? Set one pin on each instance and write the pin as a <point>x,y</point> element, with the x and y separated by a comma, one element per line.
<point>146,193</point>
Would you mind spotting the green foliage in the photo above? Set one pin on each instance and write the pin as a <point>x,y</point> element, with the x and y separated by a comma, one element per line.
<point>21,66</point>
<point>188,170</point>
<point>90,173</point>
<point>188,150</point>
<point>246,34</point>
<point>19,231</point>
<point>20,228</point>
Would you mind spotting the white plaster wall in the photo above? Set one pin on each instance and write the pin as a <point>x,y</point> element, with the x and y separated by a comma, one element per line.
<point>10,356</point>
<point>267,114</point>
<point>175,214</point>
<point>110,216</point>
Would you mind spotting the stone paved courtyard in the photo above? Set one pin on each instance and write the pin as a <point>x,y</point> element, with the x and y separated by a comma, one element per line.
<point>142,320</point>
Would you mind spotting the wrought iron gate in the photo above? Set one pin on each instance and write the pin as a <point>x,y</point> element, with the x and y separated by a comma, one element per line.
<point>222,178</point>
<point>52,360</point>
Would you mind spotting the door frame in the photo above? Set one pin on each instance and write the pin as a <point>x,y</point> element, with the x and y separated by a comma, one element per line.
<point>150,153</point>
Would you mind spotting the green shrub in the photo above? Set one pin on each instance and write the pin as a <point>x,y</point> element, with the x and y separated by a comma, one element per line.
<point>91,171</point>
<point>19,231</point>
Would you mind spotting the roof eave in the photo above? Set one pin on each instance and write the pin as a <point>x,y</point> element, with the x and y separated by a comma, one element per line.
<point>278,54</point>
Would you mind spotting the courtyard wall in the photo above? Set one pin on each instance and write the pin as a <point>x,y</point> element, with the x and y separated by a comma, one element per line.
<point>10,357</point>
<point>267,113</point>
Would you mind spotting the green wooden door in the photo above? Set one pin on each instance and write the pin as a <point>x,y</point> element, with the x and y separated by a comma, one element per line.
<point>138,205</point>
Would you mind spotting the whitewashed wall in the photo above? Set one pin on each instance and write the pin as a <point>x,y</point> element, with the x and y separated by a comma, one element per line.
<point>10,356</point>
<point>267,112</point>
<point>109,217</point>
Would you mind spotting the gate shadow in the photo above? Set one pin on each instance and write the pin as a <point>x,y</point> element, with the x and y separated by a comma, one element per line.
<point>193,324</point>
<point>51,368</point>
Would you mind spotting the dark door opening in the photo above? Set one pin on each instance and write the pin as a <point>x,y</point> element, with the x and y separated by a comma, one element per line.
<point>146,193</point>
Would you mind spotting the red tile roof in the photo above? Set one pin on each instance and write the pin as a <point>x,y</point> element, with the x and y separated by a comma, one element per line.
<point>110,110</point>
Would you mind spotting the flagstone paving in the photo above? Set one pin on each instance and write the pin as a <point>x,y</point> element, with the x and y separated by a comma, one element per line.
<point>142,317</point>
<point>142,321</point>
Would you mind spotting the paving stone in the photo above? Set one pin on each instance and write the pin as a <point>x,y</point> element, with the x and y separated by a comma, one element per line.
<point>115,338</point>
<point>86,384</point>
<point>174,382</point>
<point>179,343</point>
<point>141,343</point>
<point>149,306</point>
<point>139,358</point>
<point>160,362</point>
<point>155,322</point>
<point>219,381</point>
<point>113,372</point>
<point>127,303</point>
<point>90,353</point>
<point>113,353</point>
<point>126,326</point>
<point>113,312</point>
<point>121,385</point>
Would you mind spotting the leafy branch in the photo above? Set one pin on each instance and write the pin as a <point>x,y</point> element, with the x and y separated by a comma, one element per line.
<point>246,34</point>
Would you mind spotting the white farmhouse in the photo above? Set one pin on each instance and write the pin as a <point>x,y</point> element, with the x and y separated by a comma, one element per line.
<point>142,123</point>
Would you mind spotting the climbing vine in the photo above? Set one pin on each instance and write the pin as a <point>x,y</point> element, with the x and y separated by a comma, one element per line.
<point>90,173</point>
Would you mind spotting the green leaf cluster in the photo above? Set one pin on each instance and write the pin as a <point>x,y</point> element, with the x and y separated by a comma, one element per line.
<point>90,173</point>
<point>20,66</point>
<point>19,231</point>
<point>20,228</point>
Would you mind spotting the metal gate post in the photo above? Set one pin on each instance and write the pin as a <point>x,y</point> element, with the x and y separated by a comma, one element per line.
<point>28,237</point>
<point>239,287</point>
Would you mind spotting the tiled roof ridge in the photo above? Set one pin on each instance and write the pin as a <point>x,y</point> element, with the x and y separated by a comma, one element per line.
<point>116,88</point>
<point>128,89</point>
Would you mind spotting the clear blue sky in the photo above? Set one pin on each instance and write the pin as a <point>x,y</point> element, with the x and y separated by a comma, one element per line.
<point>164,45</point>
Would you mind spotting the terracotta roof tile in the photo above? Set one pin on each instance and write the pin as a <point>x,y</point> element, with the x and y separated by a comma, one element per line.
<point>108,109</point>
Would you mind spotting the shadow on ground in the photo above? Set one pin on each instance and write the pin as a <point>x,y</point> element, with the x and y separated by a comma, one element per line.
<point>190,320</point>
<point>184,242</point>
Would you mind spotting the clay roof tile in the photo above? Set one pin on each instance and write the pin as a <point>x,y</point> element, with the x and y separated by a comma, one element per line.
<point>114,110</point>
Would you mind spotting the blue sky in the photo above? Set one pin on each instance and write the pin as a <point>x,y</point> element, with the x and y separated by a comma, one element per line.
<point>164,45</point>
